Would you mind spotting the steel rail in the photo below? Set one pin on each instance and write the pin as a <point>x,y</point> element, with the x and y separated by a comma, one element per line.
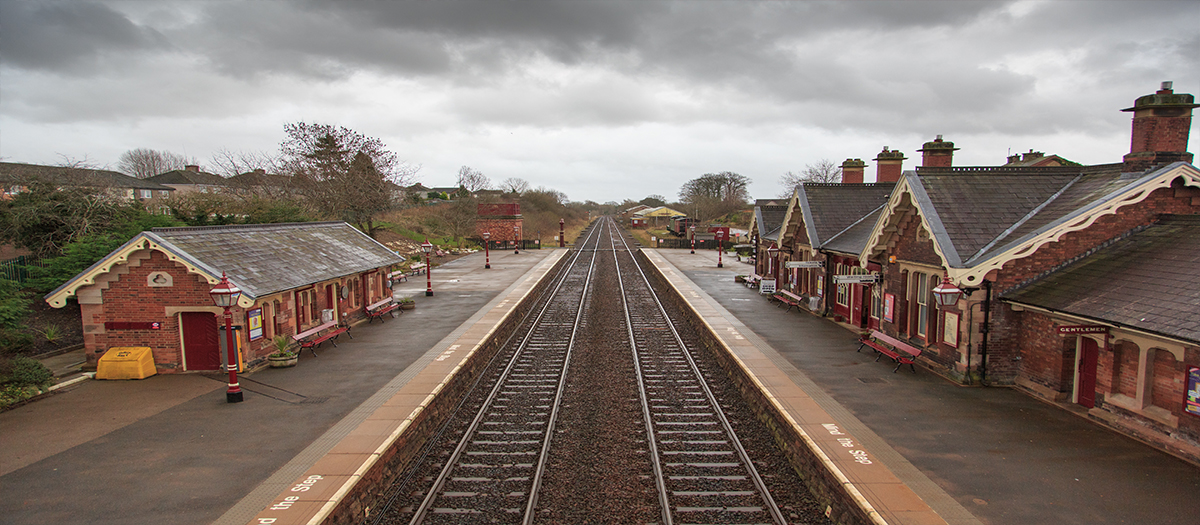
<point>752,472</point>
<point>435,490</point>
<point>660,483</point>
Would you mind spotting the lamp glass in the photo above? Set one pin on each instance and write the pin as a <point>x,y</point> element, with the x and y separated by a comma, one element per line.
<point>225,293</point>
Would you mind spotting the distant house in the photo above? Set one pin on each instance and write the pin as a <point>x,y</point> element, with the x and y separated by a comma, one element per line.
<point>660,214</point>
<point>191,180</point>
<point>154,290</point>
<point>1036,159</point>
<point>259,182</point>
<point>17,178</point>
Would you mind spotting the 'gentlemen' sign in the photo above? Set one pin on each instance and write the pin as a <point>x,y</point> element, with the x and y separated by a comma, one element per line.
<point>1083,329</point>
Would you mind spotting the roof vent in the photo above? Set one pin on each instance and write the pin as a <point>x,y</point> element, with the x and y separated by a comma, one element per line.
<point>1167,84</point>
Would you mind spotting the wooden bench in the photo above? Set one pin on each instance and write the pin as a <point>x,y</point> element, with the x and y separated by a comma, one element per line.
<point>752,280</point>
<point>788,298</point>
<point>377,310</point>
<point>398,276</point>
<point>417,269</point>
<point>900,352</point>
<point>331,333</point>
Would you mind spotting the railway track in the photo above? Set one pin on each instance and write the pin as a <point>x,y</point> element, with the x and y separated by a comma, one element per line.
<point>595,409</point>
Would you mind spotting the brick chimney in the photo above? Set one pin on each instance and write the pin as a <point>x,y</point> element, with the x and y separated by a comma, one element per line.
<point>888,165</point>
<point>192,167</point>
<point>938,154</point>
<point>1160,129</point>
<point>852,171</point>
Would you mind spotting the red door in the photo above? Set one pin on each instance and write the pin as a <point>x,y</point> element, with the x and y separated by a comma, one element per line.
<point>1088,357</point>
<point>857,294</point>
<point>201,349</point>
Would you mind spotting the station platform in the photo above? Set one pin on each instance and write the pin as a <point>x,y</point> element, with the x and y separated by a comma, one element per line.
<point>972,454</point>
<point>169,449</point>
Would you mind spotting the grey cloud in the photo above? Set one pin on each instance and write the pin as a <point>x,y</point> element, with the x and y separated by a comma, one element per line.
<point>59,36</point>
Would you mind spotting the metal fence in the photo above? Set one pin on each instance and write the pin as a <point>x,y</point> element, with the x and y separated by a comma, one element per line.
<point>18,269</point>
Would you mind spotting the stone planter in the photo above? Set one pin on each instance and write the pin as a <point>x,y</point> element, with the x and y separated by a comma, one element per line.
<point>407,306</point>
<point>283,361</point>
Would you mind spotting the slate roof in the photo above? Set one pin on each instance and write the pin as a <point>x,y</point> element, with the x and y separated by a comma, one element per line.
<point>830,208</point>
<point>18,173</point>
<point>768,217</point>
<point>189,177</point>
<point>1145,280</point>
<point>263,259</point>
<point>854,238</point>
<point>984,211</point>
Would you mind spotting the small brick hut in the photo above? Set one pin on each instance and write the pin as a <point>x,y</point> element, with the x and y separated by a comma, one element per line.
<point>154,290</point>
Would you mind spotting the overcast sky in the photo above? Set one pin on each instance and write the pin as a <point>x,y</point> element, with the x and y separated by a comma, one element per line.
<point>600,100</point>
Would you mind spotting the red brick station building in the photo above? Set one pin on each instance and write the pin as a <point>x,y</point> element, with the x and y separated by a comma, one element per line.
<point>154,290</point>
<point>1079,283</point>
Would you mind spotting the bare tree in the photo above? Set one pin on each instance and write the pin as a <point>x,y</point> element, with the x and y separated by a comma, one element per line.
<point>342,173</point>
<point>228,163</point>
<point>824,171</point>
<point>473,180</point>
<point>68,161</point>
<point>145,162</point>
<point>515,185</point>
<point>715,194</point>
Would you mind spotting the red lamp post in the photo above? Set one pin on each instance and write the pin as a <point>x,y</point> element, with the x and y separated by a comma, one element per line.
<point>562,239</point>
<point>516,240</point>
<point>693,228</point>
<point>487,257</point>
<point>427,248</point>
<point>225,295</point>
<point>720,247</point>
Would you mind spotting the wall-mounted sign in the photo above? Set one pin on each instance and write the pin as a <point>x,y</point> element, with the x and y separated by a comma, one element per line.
<point>254,321</point>
<point>856,279</point>
<point>950,329</point>
<point>804,264</point>
<point>125,325</point>
<point>1083,329</point>
<point>1191,403</point>
<point>889,307</point>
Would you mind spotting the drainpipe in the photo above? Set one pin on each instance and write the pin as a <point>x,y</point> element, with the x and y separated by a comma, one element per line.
<point>983,346</point>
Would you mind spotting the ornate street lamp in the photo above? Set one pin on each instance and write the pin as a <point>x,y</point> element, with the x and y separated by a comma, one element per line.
<point>693,228</point>
<point>946,293</point>
<point>487,257</point>
<point>562,239</point>
<point>427,248</point>
<point>225,295</point>
<point>771,259</point>
<point>516,240</point>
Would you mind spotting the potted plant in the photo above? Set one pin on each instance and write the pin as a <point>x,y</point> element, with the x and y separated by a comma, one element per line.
<point>406,303</point>
<point>283,356</point>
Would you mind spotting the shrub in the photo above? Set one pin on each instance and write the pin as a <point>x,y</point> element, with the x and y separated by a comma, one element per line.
<point>23,372</point>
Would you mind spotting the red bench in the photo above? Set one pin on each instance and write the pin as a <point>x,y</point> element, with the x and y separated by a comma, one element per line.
<point>900,352</point>
<point>377,310</point>
<point>331,332</point>
<point>788,298</point>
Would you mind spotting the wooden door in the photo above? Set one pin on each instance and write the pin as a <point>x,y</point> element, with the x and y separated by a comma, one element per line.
<point>201,348</point>
<point>858,311</point>
<point>1089,355</point>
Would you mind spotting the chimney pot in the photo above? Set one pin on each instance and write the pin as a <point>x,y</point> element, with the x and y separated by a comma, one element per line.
<point>852,171</point>
<point>938,153</point>
<point>1161,123</point>
<point>192,167</point>
<point>888,165</point>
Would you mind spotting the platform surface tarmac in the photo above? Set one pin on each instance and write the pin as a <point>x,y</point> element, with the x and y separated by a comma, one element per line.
<point>976,455</point>
<point>169,449</point>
